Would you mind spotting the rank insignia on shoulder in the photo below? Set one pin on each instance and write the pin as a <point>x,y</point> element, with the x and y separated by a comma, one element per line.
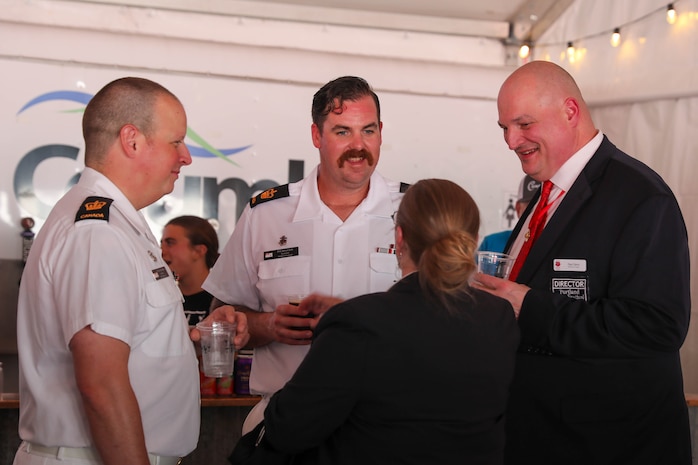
<point>94,208</point>
<point>277,192</point>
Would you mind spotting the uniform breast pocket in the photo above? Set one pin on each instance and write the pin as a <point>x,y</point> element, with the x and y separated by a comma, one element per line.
<point>384,271</point>
<point>284,276</point>
<point>165,319</point>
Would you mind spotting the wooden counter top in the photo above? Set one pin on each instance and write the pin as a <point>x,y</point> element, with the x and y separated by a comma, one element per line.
<point>691,399</point>
<point>230,401</point>
<point>11,400</point>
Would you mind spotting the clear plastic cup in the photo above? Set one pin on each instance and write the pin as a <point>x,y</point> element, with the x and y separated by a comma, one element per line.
<point>217,348</point>
<point>495,264</point>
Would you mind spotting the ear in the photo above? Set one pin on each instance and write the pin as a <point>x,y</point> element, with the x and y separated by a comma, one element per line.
<point>399,239</point>
<point>129,140</point>
<point>572,110</point>
<point>200,249</point>
<point>316,134</point>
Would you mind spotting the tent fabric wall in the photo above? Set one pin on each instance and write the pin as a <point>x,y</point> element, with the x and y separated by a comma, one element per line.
<point>654,59</point>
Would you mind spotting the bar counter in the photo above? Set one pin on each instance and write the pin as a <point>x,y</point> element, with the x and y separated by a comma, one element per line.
<point>11,400</point>
<point>221,423</point>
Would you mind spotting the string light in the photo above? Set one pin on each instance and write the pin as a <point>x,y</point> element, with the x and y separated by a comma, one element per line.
<point>524,51</point>
<point>670,14</point>
<point>615,37</point>
<point>671,17</point>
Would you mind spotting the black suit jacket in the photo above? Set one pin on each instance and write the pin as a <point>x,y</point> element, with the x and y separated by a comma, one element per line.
<point>598,377</point>
<point>390,378</point>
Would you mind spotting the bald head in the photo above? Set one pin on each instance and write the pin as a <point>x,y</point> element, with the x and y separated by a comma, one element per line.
<point>124,101</point>
<point>544,79</point>
<point>544,117</point>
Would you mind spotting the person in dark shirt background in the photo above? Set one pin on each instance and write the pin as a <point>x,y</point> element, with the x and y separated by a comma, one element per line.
<point>190,247</point>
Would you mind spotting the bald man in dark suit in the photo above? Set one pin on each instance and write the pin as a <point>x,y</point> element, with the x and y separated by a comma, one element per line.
<point>601,294</point>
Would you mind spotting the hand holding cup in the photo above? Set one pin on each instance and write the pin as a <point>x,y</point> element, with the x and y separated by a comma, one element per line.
<point>291,322</point>
<point>217,349</point>
<point>227,313</point>
<point>295,322</point>
<point>495,264</point>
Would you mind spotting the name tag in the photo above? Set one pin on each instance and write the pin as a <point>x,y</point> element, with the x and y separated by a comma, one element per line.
<point>281,253</point>
<point>160,273</point>
<point>569,264</point>
<point>572,288</point>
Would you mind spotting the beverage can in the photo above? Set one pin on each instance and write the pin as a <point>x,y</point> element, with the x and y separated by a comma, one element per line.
<point>207,384</point>
<point>243,366</point>
<point>224,386</point>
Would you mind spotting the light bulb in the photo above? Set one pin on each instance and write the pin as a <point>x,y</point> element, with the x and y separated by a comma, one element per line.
<point>570,52</point>
<point>524,51</point>
<point>615,37</point>
<point>670,14</point>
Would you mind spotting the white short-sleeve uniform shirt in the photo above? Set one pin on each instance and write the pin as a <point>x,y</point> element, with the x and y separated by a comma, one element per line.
<point>293,243</point>
<point>106,273</point>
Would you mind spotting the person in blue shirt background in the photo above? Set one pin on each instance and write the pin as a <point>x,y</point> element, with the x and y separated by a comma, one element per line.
<point>496,242</point>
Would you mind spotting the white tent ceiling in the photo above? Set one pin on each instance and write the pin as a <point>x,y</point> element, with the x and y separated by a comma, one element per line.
<point>502,19</point>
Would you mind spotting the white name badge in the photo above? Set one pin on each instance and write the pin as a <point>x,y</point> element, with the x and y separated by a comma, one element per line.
<point>569,264</point>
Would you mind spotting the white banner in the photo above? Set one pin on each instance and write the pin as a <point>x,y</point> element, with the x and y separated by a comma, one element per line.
<point>244,136</point>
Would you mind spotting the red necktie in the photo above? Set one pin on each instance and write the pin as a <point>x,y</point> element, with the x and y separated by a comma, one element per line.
<point>535,227</point>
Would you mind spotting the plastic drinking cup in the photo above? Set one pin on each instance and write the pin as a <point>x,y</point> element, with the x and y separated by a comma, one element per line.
<point>494,264</point>
<point>217,348</point>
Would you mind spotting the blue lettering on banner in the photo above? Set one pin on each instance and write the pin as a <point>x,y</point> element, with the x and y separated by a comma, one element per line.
<point>201,194</point>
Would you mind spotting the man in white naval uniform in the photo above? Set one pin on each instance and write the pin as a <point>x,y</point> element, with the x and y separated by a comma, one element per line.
<point>108,374</point>
<point>331,233</point>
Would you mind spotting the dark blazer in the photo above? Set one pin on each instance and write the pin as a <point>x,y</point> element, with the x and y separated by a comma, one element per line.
<point>389,378</point>
<point>598,378</point>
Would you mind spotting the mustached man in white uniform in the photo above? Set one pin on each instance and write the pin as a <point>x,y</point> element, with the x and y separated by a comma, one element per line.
<point>331,233</point>
<point>108,374</point>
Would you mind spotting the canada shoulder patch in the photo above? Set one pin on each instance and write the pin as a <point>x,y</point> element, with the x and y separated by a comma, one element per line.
<point>277,192</point>
<point>94,208</point>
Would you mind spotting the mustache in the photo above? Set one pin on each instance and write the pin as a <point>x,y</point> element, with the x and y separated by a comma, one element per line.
<point>356,153</point>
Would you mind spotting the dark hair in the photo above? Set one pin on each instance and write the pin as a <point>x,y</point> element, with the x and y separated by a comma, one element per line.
<point>439,222</point>
<point>199,232</point>
<point>332,95</point>
<point>128,100</point>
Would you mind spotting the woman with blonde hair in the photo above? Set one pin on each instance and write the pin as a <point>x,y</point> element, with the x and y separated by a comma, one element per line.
<point>418,374</point>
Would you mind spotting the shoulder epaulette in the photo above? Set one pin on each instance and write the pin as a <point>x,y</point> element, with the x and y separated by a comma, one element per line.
<point>277,192</point>
<point>403,187</point>
<point>94,208</point>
